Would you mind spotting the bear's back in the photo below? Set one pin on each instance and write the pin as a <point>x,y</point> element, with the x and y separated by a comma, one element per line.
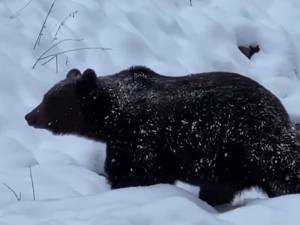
<point>142,82</point>
<point>139,89</point>
<point>140,74</point>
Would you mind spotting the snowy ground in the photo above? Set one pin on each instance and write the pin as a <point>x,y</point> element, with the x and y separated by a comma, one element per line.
<point>172,38</point>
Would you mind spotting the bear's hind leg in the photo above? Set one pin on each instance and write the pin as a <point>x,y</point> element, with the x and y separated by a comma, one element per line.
<point>274,163</point>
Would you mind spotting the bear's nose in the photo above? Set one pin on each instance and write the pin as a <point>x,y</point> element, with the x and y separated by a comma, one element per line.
<point>30,119</point>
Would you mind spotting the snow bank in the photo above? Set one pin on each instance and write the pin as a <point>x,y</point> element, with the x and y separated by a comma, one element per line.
<point>155,205</point>
<point>276,211</point>
<point>172,38</point>
<point>50,183</point>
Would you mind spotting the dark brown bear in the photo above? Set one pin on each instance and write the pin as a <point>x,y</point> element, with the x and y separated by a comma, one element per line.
<point>221,131</point>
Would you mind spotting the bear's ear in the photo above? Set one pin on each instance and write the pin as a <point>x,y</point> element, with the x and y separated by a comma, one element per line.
<point>87,82</point>
<point>73,73</point>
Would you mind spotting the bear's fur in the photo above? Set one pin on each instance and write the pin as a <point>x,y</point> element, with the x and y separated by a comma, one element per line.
<point>221,131</point>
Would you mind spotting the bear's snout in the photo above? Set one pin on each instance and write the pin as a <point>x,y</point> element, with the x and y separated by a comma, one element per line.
<point>31,119</point>
<point>34,119</point>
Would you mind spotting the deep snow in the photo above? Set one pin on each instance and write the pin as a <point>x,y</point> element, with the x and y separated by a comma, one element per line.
<point>172,38</point>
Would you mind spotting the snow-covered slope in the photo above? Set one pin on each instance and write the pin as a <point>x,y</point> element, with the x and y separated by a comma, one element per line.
<point>172,38</point>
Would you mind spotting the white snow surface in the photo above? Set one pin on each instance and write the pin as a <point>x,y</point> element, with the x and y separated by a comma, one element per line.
<point>172,38</point>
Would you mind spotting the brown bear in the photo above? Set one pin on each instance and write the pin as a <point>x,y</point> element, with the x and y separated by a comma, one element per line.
<point>221,131</point>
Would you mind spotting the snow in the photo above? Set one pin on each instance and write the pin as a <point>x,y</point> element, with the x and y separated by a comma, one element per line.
<point>50,182</point>
<point>172,38</point>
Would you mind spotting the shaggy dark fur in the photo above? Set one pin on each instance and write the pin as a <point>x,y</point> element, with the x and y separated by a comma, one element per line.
<point>221,131</point>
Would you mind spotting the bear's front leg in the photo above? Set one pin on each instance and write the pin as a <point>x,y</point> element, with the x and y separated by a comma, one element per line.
<point>218,194</point>
<point>130,165</point>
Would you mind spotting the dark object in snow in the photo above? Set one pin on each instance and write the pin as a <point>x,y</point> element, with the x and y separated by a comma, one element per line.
<point>221,131</point>
<point>249,51</point>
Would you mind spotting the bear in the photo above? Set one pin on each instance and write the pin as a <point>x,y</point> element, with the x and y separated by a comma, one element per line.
<point>221,131</point>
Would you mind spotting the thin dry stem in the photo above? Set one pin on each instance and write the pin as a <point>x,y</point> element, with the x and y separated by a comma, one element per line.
<point>38,40</point>
<point>13,191</point>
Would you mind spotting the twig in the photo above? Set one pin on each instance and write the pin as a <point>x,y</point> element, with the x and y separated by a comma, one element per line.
<point>43,26</point>
<point>18,12</point>
<point>55,55</point>
<point>74,50</point>
<point>56,63</point>
<point>72,14</point>
<point>13,191</point>
<point>67,60</point>
<point>49,60</point>
<point>32,184</point>
<point>53,46</point>
<point>191,4</point>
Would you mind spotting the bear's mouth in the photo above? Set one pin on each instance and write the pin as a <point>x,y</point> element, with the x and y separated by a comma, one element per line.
<point>34,122</point>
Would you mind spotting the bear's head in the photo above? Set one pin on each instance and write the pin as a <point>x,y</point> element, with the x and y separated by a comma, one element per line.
<point>76,105</point>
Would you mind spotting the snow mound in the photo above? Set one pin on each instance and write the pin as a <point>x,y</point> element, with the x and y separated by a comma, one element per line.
<point>276,211</point>
<point>154,205</point>
<point>49,183</point>
<point>15,154</point>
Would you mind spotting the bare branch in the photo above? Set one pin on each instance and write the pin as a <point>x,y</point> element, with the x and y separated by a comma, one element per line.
<point>49,60</point>
<point>18,12</point>
<point>13,191</point>
<point>67,60</point>
<point>55,55</point>
<point>32,184</point>
<point>37,42</point>
<point>74,50</point>
<point>71,15</point>
<point>56,63</point>
<point>52,47</point>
